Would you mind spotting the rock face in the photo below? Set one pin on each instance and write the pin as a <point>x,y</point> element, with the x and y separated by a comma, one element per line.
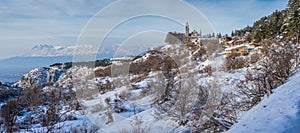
<point>50,50</point>
<point>40,77</point>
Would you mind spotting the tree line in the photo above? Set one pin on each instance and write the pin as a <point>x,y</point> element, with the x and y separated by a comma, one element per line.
<point>283,24</point>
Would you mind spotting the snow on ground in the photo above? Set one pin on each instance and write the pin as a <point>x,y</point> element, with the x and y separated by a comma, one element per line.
<point>95,109</point>
<point>149,122</point>
<point>81,124</point>
<point>216,63</point>
<point>278,113</point>
<point>227,80</point>
<point>123,120</point>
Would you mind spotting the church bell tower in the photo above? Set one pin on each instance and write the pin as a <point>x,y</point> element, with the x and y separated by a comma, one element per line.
<point>187,33</point>
<point>187,29</point>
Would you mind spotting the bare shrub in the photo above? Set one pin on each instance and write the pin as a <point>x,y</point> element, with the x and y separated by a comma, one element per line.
<point>119,82</point>
<point>253,58</point>
<point>214,112</point>
<point>7,93</point>
<point>169,67</point>
<point>103,72</point>
<point>84,128</point>
<point>157,86</point>
<point>233,63</point>
<point>97,108</point>
<point>207,69</point>
<point>279,61</point>
<point>185,101</point>
<point>109,114</point>
<point>124,94</point>
<point>107,101</point>
<point>9,113</point>
<point>144,92</point>
<point>200,54</point>
<point>138,78</point>
<point>32,97</point>
<point>152,63</point>
<point>138,126</point>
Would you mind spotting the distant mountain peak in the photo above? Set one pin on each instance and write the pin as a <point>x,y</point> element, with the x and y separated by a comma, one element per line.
<point>56,50</point>
<point>42,46</point>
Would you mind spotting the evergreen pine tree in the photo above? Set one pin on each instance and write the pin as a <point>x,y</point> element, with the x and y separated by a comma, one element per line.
<point>219,35</point>
<point>291,27</point>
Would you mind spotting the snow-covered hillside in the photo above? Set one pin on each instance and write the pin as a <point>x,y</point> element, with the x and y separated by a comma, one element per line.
<point>276,114</point>
<point>50,50</point>
<point>173,88</point>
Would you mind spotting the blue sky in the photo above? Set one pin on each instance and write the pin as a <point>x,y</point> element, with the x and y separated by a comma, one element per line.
<point>25,23</point>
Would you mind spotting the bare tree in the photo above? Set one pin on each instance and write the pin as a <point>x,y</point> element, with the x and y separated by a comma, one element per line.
<point>138,126</point>
<point>279,61</point>
<point>186,99</point>
<point>9,112</point>
<point>157,86</point>
<point>210,115</point>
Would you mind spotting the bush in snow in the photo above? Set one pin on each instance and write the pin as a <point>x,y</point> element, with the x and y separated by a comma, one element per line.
<point>96,108</point>
<point>234,62</point>
<point>124,94</point>
<point>214,111</point>
<point>9,113</point>
<point>110,117</point>
<point>279,61</point>
<point>84,128</point>
<point>185,101</point>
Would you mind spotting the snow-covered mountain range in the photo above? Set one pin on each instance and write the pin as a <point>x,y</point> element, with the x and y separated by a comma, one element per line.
<point>50,50</point>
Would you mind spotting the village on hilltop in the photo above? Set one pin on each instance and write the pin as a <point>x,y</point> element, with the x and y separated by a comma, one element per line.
<point>233,46</point>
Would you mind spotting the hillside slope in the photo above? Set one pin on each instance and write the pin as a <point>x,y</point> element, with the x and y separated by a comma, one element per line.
<point>278,113</point>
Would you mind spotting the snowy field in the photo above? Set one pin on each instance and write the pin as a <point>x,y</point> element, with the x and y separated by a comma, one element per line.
<point>278,113</point>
